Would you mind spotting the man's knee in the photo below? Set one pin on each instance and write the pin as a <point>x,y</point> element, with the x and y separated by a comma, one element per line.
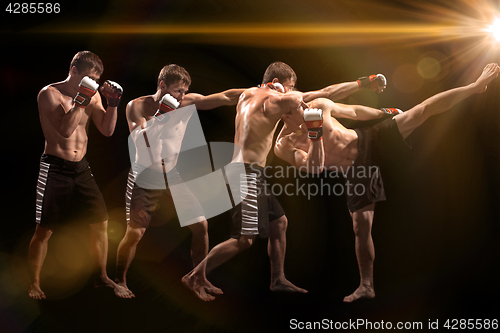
<point>245,242</point>
<point>134,235</point>
<point>279,225</point>
<point>362,224</point>
<point>362,220</point>
<point>101,227</point>
<point>42,234</point>
<point>199,229</point>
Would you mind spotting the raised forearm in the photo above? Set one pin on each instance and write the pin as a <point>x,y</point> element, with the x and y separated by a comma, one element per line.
<point>333,92</point>
<point>315,157</point>
<point>108,123</point>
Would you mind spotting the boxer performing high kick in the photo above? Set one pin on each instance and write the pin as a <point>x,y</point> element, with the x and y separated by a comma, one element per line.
<point>343,148</point>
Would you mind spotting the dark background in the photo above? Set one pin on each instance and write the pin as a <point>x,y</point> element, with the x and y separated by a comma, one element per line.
<point>436,236</point>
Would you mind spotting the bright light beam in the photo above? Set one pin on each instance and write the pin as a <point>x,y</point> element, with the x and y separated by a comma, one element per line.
<point>495,29</point>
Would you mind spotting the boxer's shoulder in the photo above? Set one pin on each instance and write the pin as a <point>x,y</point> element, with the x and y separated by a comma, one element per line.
<point>142,104</point>
<point>322,103</point>
<point>51,94</point>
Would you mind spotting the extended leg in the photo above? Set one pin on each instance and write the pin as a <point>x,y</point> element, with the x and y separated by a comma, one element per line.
<point>408,121</point>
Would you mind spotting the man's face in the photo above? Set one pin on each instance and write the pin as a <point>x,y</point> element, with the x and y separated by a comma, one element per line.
<point>177,90</point>
<point>91,73</point>
<point>289,85</point>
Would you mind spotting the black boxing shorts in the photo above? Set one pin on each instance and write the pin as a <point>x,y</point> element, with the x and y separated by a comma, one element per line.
<point>67,189</point>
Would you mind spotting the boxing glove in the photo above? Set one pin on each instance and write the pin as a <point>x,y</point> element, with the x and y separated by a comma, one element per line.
<point>391,111</point>
<point>277,86</point>
<point>167,104</point>
<point>113,95</point>
<point>86,89</point>
<point>314,122</point>
<point>375,82</point>
<point>274,86</point>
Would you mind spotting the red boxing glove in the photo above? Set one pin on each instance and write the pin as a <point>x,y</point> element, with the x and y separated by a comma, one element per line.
<point>391,111</point>
<point>375,82</point>
<point>86,89</point>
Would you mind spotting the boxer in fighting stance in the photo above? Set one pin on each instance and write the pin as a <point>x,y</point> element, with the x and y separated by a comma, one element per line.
<point>148,117</point>
<point>258,112</point>
<point>65,182</point>
<point>343,148</point>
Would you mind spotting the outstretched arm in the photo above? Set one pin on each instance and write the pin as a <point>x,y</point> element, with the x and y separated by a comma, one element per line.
<point>333,92</point>
<point>355,112</point>
<point>375,82</point>
<point>228,97</point>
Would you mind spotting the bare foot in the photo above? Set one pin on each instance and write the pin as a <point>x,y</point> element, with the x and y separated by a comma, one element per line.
<point>122,291</point>
<point>119,290</point>
<point>360,293</point>
<point>285,285</point>
<point>489,73</point>
<point>201,289</point>
<point>212,289</point>
<point>35,292</point>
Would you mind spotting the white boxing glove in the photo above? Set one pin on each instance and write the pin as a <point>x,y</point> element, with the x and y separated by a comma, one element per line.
<point>167,104</point>
<point>314,122</point>
<point>86,89</point>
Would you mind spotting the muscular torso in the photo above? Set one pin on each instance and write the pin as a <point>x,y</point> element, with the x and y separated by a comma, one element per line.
<point>255,123</point>
<point>164,140</point>
<point>74,147</point>
<point>340,143</point>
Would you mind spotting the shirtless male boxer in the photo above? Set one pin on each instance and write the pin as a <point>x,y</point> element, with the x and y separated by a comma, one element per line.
<point>65,182</point>
<point>258,112</point>
<point>344,148</point>
<point>146,116</point>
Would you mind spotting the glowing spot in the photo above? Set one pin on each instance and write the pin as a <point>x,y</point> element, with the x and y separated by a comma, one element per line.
<point>406,79</point>
<point>115,230</point>
<point>495,29</point>
<point>428,68</point>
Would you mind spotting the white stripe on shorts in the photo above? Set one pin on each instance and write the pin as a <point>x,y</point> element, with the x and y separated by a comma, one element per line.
<point>249,208</point>
<point>128,193</point>
<point>40,189</point>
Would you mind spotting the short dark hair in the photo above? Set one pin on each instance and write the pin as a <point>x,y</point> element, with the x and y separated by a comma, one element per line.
<point>85,60</point>
<point>279,70</point>
<point>173,73</point>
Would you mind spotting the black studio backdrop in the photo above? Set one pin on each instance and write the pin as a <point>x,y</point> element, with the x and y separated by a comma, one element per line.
<point>436,236</point>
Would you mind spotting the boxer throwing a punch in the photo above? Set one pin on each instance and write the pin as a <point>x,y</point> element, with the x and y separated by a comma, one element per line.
<point>258,112</point>
<point>65,182</point>
<point>150,117</point>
